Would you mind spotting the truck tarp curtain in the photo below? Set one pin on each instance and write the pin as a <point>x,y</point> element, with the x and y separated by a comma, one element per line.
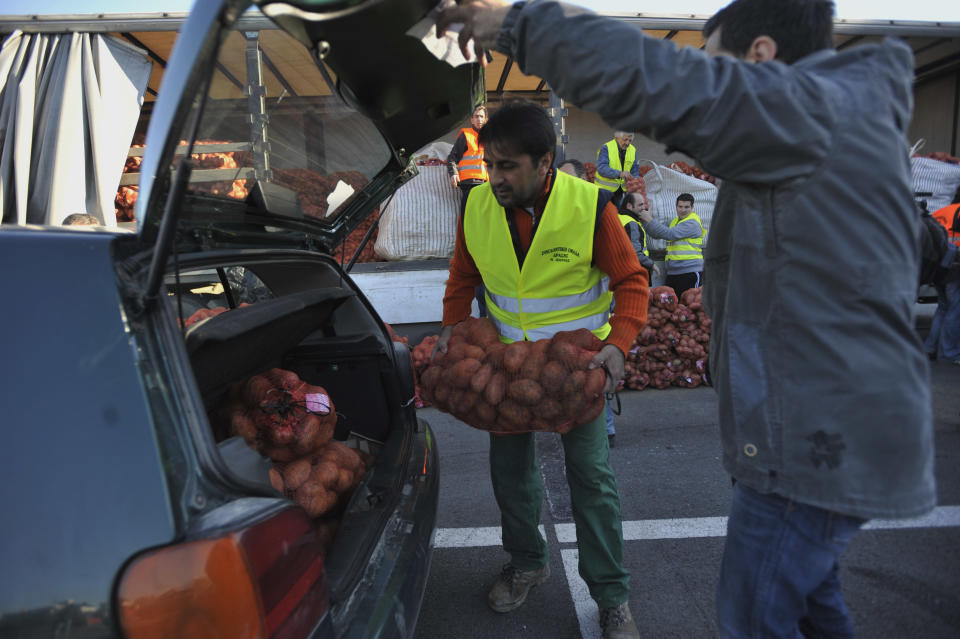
<point>69,105</point>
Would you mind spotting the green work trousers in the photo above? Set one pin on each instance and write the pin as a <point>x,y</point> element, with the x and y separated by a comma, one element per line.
<point>593,494</point>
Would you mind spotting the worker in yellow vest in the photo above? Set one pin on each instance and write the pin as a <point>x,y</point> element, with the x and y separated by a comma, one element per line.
<point>551,255</point>
<point>465,160</point>
<point>684,236</point>
<point>616,163</point>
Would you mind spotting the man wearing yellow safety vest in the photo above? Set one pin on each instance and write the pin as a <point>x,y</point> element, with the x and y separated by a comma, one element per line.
<point>616,162</point>
<point>465,161</point>
<point>633,204</point>
<point>684,238</point>
<point>549,252</point>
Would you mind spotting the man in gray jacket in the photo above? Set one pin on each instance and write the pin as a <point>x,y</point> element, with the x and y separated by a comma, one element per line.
<point>810,271</point>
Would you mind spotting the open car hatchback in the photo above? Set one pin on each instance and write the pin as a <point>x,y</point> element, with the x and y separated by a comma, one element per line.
<point>219,439</point>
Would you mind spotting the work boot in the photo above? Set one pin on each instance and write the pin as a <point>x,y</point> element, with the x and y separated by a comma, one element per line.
<point>512,587</point>
<point>617,623</point>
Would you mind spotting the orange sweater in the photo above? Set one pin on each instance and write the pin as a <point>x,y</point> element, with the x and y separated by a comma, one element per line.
<point>612,252</point>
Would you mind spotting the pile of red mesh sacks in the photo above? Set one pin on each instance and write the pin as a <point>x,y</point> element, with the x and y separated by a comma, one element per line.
<point>672,348</point>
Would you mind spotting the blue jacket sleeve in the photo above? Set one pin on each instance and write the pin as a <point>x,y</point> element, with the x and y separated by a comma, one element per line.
<point>603,164</point>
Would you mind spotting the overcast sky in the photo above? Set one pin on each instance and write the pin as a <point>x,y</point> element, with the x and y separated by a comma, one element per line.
<point>948,10</point>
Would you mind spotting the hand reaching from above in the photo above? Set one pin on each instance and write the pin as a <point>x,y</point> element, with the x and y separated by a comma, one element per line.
<point>481,20</point>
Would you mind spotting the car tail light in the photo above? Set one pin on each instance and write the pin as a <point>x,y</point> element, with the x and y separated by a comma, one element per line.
<point>266,581</point>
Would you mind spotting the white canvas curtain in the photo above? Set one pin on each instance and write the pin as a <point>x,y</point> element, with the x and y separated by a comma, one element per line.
<point>69,105</point>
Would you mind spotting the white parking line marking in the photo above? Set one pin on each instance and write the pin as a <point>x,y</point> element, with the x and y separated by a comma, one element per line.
<point>587,614</point>
<point>691,527</point>
<point>471,537</point>
<point>658,529</point>
<point>941,517</point>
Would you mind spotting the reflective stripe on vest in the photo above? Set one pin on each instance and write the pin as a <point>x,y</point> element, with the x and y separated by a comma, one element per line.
<point>689,248</point>
<point>625,220</point>
<point>613,156</point>
<point>471,166</point>
<point>558,288</point>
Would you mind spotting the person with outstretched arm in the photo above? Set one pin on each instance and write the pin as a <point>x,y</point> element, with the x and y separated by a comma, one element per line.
<point>815,210</point>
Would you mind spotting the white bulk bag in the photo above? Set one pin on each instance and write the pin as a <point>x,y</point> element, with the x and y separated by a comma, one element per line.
<point>420,221</point>
<point>664,184</point>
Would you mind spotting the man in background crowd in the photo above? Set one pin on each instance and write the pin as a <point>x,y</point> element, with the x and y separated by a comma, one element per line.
<point>616,163</point>
<point>465,161</point>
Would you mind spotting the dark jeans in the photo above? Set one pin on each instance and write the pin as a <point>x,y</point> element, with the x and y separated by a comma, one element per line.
<point>481,301</point>
<point>778,577</point>
<point>465,187</point>
<point>680,283</point>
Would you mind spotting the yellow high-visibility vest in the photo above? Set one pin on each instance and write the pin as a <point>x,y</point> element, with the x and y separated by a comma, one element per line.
<point>471,166</point>
<point>626,219</point>
<point>613,155</point>
<point>558,288</point>
<point>689,248</point>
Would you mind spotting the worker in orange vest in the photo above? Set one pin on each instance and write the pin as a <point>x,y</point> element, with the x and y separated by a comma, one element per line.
<point>949,217</point>
<point>467,170</point>
<point>943,340</point>
<point>465,161</point>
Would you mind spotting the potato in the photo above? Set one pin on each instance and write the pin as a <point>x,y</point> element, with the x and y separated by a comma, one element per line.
<point>585,357</point>
<point>565,353</point>
<point>468,399</point>
<point>484,333</point>
<point>574,404</point>
<point>495,353</point>
<point>295,473</point>
<point>495,390</point>
<point>241,424</point>
<point>455,353</point>
<point>548,409</point>
<point>461,330</point>
<point>515,355</point>
<point>462,372</point>
<point>515,413</point>
<point>536,360</point>
<point>581,338</point>
<point>315,498</point>
<point>525,391</point>
<point>484,411</point>
<point>474,352</point>
<point>481,378</point>
<point>276,479</point>
<point>596,380</point>
<point>574,383</point>
<point>552,377</point>
<point>541,425</point>
<point>324,472</point>
<point>430,377</point>
<point>440,395</point>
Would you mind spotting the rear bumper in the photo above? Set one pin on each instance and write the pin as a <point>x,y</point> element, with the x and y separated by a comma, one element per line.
<point>386,601</point>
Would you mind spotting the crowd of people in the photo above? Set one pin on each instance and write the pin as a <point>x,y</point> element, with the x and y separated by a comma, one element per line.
<point>812,184</point>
